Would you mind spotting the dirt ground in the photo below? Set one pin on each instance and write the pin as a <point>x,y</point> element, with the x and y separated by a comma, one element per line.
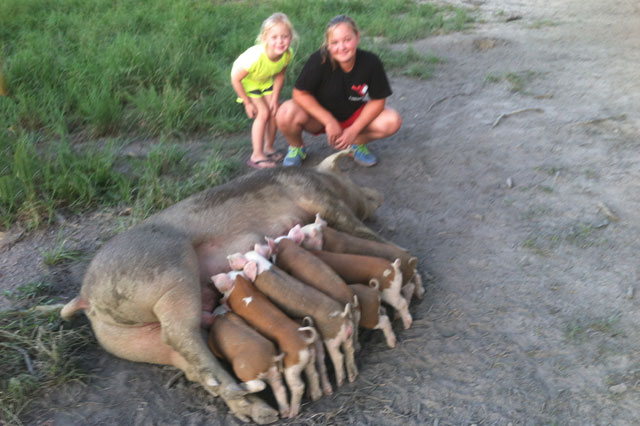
<point>512,179</point>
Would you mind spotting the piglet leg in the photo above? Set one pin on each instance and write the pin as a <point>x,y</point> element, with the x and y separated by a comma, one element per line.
<point>408,290</point>
<point>399,303</point>
<point>349,356</point>
<point>322,367</point>
<point>333,347</point>
<point>313,382</point>
<point>384,324</point>
<point>279,391</point>
<point>419,289</point>
<point>296,386</point>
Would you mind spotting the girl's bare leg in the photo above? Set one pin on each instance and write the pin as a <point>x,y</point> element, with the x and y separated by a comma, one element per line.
<point>384,125</point>
<point>270,129</point>
<point>292,120</point>
<point>258,129</point>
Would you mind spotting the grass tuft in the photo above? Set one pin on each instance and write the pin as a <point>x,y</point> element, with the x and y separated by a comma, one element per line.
<point>60,253</point>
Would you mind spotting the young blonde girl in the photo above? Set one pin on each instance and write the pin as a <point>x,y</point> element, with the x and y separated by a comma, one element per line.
<point>257,77</point>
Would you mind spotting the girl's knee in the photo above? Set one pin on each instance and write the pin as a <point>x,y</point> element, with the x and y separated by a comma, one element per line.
<point>285,110</point>
<point>286,114</point>
<point>396,122</point>
<point>393,122</point>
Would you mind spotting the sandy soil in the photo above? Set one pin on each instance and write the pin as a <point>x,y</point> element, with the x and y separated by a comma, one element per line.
<point>522,206</point>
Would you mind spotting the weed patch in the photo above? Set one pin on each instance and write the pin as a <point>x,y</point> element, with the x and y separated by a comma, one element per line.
<point>60,253</point>
<point>582,330</point>
<point>37,352</point>
<point>517,81</point>
<point>581,235</point>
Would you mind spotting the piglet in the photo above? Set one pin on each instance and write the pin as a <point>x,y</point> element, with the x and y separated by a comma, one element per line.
<point>319,236</point>
<point>253,306</point>
<point>252,356</point>
<point>306,267</point>
<point>374,316</point>
<point>355,268</point>
<point>333,320</point>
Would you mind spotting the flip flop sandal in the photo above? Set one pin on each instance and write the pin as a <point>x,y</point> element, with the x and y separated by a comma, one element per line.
<point>276,156</point>
<point>261,164</point>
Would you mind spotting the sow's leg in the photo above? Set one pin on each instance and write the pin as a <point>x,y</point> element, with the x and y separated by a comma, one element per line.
<point>151,276</point>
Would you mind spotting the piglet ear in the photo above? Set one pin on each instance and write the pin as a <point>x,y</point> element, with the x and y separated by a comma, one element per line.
<point>222,282</point>
<point>251,270</point>
<point>320,221</point>
<point>262,250</point>
<point>296,234</point>
<point>312,236</point>
<point>272,245</point>
<point>237,261</point>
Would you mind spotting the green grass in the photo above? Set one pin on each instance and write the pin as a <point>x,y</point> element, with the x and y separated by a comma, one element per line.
<point>517,81</point>
<point>61,253</point>
<point>160,67</point>
<point>408,62</point>
<point>108,72</point>
<point>32,293</point>
<point>581,330</point>
<point>543,241</point>
<point>36,352</point>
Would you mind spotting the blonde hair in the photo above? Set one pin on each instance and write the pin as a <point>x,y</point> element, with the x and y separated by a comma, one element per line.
<point>337,20</point>
<point>272,21</point>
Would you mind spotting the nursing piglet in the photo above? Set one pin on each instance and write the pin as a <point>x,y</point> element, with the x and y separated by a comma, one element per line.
<point>252,356</point>
<point>306,267</point>
<point>374,316</point>
<point>254,307</point>
<point>333,320</point>
<point>355,268</point>
<point>319,236</point>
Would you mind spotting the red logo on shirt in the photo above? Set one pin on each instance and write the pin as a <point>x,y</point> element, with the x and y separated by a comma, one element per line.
<point>361,89</point>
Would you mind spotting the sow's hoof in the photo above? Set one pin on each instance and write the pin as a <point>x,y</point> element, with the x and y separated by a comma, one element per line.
<point>252,408</point>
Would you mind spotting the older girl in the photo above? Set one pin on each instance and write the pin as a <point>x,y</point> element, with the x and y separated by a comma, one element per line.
<point>341,91</point>
<point>257,77</point>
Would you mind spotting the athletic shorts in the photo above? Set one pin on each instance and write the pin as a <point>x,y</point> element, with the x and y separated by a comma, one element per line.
<point>256,90</point>
<point>346,123</point>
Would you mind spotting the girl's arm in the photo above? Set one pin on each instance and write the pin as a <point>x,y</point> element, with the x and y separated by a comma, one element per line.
<point>237,74</point>
<point>278,82</point>
<point>310,104</point>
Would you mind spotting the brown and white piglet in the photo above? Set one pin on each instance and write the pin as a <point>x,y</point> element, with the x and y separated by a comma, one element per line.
<point>333,320</point>
<point>299,263</point>
<point>355,268</point>
<point>374,316</point>
<point>319,236</point>
<point>293,340</point>
<point>252,356</point>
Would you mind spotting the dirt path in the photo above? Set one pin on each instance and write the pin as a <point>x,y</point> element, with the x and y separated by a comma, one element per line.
<point>513,179</point>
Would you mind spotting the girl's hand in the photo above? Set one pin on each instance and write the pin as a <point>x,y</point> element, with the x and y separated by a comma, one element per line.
<point>250,109</point>
<point>346,139</point>
<point>334,131</point>
<point>273,106</point>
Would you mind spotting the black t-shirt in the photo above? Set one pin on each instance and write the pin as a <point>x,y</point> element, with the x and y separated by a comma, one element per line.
<point>343,93</point>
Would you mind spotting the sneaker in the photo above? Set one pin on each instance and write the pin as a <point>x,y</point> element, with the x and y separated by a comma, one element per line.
<point>294,156</point>
<point>363,156</point>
